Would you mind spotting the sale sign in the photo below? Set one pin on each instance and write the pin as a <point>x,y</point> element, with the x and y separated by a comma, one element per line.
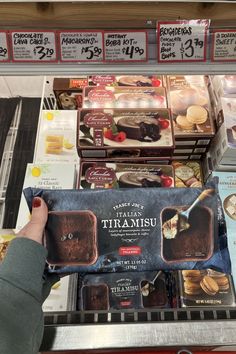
<point>223,45</point>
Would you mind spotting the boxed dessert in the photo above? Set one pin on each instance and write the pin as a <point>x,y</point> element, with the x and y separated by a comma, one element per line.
<point>146,132</point>
<point>205,288</point>
<point>223,86</point>
<point>6,236</point>
<point>187,174</point>
<point>69,92</point>
<point>122,175</point>
<point>56,137</point>
<point>119,291</point>
<point>190,106</point>
<point>126,80</point>
<point>122,230</point>
<point>49,176</point>
<point>124,97</point>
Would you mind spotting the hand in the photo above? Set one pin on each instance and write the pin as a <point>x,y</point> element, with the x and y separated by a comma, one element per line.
<point>34,229</point>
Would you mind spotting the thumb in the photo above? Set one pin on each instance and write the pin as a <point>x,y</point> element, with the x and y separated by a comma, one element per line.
<point>34,229</point>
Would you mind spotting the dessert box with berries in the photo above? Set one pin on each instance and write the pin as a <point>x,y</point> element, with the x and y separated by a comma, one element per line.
<point>99,174</point>
<point>124,97</point>
<point>205,288</point>
<point>126,80</point>
<point>147,132</point>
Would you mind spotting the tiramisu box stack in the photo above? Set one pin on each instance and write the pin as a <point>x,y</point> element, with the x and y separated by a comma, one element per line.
<point>189,102</point>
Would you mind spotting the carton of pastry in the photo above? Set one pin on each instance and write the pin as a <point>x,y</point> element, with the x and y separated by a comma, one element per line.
<point>144,132</point>
<point>124,97</point>
<point>126,80</point>
<point>69,92</point>
<point>187,174</point>
<point>208,287</point>
<point>190,106</point>
<point>124,230</point>
<point>119,291</point>
<point>124,175</point>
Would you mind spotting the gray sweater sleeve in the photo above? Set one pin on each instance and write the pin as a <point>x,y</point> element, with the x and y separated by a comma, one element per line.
<point>22,292</point>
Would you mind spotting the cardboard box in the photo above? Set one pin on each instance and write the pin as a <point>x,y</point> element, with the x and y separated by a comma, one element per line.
<point>69,92</point>
<point>223,86</point>
<point>187,174</point>
<point>49,176</point>
<point>105,132</point>
<point>59,297</point>
<point>124,97</point>
<point>126,80</point>
<point>205,288</point>
<point>6,236</point>
<point>98,174</point>
<point>56,137</point>
<point>189,102</point>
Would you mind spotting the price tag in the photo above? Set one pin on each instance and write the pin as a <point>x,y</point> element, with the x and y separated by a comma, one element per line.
<point>182,41</point>
<point>33,46</point>
<point>125,46</point>
<point>81,46</point>
<point>223,45</point>
<point>4,50</point>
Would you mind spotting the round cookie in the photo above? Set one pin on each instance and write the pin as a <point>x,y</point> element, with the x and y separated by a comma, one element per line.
<point>191,288</point>
<point>223,283</point>
<point>214,274</point>
<point>196,114</point>
<point>179,183</point>
<point>209,286</point>
<point>183,123</point>
<point>197,184</point>
<point>192,275</point>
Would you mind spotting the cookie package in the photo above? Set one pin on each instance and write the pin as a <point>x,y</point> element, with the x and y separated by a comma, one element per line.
<point>121,230</point>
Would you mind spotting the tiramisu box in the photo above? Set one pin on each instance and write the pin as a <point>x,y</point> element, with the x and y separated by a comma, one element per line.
<point>49,176</point>
<point>124,97</point>
<point>144,132</point>
<point>69,92</point>
<point>121,291</point>
<point>126,80</point>
<point>56,137</point>
<point>116,230</point>
<point>189,102</point>
<point>208,287</point>
<point>6,236</point>
<point>187,174</point>
<point>124,175</point>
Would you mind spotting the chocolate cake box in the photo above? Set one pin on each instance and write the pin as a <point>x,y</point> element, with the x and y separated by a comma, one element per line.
<point>106,132</point>
<point>199,288</point>
<point>187,174</point>
<point>69,92</point>
<point>124,97</point>
<point>126,80</point>
<point>124,175</point>
<point>124,230</point>
<point>121,291</point>
<point>189,102</point>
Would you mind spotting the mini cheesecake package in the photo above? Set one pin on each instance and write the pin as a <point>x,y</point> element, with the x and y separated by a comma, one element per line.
<point>131,229</point>
<point>119,291</point>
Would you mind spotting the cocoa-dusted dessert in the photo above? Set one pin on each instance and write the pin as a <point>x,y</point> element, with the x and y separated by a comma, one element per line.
<point>71,238</point>
<point>140,128</point>
<point>192,241</point>
<point>95,297</point>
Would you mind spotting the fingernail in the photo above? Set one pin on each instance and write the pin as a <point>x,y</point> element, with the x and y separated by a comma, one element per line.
<point>36,202</point>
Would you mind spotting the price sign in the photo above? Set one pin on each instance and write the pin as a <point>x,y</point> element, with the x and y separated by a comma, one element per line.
<point>182,41</point>
<point>4,50</point>
<point>125,46</point>
<point>81,46</point>
<point>33,46</point>
<point>223,45</point>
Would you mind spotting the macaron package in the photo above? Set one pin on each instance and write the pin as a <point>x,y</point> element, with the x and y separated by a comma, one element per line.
<point>188,174</point>
<point>190,106</point>
<point>205,288</point>
<point>130,231</point>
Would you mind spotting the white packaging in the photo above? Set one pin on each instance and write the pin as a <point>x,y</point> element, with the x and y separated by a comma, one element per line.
<point>47,176</point>
<point>58,300</point>
<point>56,137</point>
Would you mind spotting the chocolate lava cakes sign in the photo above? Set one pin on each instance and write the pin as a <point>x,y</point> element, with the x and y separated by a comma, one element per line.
<point>4,50</point>
<point>100,176</point>
<point>98,121</point>
<point>182,41</point>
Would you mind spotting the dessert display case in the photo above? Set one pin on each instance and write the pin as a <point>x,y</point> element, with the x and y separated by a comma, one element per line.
<point>208,327</point>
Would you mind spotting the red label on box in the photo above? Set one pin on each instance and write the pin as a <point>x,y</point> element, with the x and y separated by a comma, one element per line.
<point>100,174</point>
<point>103,80</point>
<point>98,120</point>
<point>100,96</point>
<point>78,83</point>
<point>125,303</point>
<point>129,251</point>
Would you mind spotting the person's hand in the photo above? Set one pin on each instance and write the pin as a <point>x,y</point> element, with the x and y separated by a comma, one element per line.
<point>34,229</point>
